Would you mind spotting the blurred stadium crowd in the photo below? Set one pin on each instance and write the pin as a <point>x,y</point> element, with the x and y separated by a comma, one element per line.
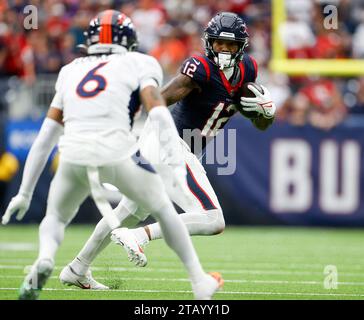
<point>171,30</point>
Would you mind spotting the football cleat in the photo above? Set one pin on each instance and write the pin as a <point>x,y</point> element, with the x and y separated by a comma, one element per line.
<point>71,278</point>
<point>36,279</point>
<point>127,239</point>
<point>207,287</point>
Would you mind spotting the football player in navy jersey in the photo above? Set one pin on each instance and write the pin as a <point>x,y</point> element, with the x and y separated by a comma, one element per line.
<point>207,93</point>
<point>209,87</point>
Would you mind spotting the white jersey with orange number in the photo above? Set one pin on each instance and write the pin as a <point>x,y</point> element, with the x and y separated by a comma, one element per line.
<point>99,96</point>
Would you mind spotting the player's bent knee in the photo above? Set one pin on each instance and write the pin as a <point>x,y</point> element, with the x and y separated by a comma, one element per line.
<point>219,226</point>
<point>218,221</point>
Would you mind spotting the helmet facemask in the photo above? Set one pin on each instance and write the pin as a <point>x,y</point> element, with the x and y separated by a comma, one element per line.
<point>226,26</point>
<point>224,59</point>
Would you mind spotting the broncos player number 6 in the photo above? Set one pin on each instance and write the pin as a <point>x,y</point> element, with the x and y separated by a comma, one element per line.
<point>92,76</point>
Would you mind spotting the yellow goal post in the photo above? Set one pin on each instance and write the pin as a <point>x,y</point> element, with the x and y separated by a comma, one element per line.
<point>327,67</point>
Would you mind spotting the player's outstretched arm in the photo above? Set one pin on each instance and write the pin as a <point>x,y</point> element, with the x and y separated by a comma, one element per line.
<point>42,147</point>
<point>178,88</point>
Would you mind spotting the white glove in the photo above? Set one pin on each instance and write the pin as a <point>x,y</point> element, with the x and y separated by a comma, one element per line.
<point>18,203</point>
<point>262,103</point>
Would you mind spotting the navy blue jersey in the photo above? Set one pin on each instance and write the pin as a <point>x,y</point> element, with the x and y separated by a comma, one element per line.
<point>209,107</point>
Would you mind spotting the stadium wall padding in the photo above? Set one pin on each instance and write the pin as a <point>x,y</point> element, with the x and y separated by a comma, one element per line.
<point>285,175</point>
<point>293,175</point>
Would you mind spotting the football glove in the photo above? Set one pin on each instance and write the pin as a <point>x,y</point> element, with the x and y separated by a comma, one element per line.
<point>20,203</point>
<point>262,103</point>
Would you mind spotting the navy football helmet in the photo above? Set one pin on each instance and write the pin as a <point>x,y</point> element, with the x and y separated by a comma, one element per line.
<point>108,30</point>
<point>226,26</point>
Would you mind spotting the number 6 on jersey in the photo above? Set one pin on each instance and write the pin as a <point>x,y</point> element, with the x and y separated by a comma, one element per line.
<point>87,83</point>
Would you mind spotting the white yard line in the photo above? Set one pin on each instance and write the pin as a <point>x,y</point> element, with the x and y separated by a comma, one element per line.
<point>245,265</point>
<point>18,246</point>
<point>270,265</point>
<point>186,280</point>
<point>243,293</point>
<point>224,271</point>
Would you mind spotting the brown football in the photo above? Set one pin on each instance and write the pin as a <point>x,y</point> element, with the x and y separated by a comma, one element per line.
<point>246,92</point>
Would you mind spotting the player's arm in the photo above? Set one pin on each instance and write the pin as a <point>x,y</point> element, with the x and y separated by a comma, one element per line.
<point>178,88</point>
<point>159,116</point>
<point>162,120</point>
<point>47,138</point>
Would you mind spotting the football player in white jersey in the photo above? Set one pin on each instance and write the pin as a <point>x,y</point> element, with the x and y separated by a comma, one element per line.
<point>95,101</point>
<point>198,89</point>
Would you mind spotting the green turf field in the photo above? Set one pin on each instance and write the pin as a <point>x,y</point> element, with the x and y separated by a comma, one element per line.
<point>256,263</point>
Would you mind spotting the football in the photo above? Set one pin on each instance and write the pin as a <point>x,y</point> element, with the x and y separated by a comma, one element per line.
<point>246,92</point>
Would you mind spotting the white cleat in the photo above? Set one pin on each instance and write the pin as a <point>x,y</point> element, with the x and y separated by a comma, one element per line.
<point>70,278</point>
<point>36,279</point>
<point>126,238</point>
<point>207,287</point>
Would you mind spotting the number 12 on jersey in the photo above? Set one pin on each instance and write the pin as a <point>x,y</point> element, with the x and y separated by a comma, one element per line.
<point>214,123</point>
<point>189,69</point>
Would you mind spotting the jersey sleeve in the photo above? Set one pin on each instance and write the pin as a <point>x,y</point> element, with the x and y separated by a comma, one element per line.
<point>197,69</point>
<point>57,101</point>
<point>150,73</point>
<point>251,68</point>
<point>255,66</point>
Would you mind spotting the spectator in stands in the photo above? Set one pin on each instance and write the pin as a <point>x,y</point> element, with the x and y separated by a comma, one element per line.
<point>294,111</point>
<point>193,40</point>
<point>148,18</point>
<point>330,43</point>
<point>297,37</point>
<point>318,103</point>
<point>170,51</point>
<point>171,30</point>
<point>358,107</point>
<point>358,43</point>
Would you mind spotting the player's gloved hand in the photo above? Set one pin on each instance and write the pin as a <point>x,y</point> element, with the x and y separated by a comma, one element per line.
<point>262,103</point>
<point>20,203</point>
